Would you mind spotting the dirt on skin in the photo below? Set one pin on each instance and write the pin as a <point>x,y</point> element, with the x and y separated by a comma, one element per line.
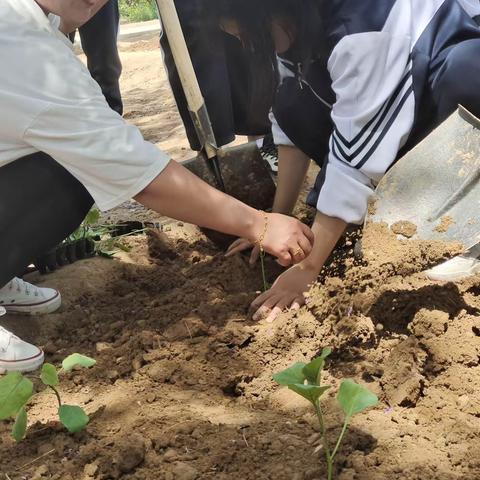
<point>183,391</point>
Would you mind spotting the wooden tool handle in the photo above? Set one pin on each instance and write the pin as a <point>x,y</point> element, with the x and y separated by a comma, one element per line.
<point>183,62</point>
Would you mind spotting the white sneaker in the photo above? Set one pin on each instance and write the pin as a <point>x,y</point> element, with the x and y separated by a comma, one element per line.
<point>17,355</point>
<point>456,269</point>
<point>22,297</point>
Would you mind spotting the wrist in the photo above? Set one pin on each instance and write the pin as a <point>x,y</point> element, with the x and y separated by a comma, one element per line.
<point>254,225</point>
<point>311,266</point>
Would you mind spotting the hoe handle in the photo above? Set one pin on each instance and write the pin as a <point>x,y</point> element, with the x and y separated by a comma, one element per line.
<point>188,78</point>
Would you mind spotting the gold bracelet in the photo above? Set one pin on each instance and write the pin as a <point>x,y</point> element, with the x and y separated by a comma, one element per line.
<point>262,236</point>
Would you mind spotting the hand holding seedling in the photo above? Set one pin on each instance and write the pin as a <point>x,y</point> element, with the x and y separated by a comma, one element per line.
<point>16,390</point>
<point>306,380</point>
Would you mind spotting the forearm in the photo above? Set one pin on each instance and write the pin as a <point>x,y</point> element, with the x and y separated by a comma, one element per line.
<point>179,194</point>
<point>328,231</point>
<point>292,168</point>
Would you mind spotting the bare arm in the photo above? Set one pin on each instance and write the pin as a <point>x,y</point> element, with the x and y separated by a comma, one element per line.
<point>292,168</point>
<point>179,194</point>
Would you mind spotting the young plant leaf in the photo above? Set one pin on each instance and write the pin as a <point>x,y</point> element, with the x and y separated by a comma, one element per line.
<point>15,391</point>
<point>77,360</point>
<point>19,429</point>
<point>92,217</point>
<point>49,375</point>
<point>107,254</point>
<point>73,418</point>
<point>353,398</point>
<point>310,392</point>
<point>291,375</point>
<point>315,367</point>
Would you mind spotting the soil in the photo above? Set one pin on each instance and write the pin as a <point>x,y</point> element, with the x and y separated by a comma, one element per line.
<point>182,389</point>
<point>445,223</point>
<point>406,229</point>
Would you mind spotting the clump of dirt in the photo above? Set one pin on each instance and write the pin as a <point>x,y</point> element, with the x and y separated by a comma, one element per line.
<point>382,250</point>
<point>404,228</point>
<point>445,223</point>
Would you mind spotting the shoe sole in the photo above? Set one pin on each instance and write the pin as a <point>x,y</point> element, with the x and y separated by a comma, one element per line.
<point>49,306</point>
<point>24,366</point>
<point>451,277</point>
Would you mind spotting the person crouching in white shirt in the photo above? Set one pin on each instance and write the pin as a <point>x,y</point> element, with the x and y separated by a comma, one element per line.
<point>60,139</point>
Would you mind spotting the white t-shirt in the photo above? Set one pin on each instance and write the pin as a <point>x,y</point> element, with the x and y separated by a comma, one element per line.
<point>50,103</point>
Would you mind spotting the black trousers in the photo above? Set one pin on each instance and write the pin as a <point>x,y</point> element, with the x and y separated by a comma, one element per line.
<point>223,74</point>
<point>40,205</point>
<point>99,42</point>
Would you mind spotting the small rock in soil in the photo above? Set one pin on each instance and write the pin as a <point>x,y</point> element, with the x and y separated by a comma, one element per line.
<point>130,452</point>
<point>137,363</point>
<point>102,346</point>
<point>90,469</point>
<point>113,375</point>
<point>313,473</point>
<point>188,327</point>
<point>162,372</point>
<point>162,441</point>
<point>184,471</point>
<point>170,455</point>
<point>40,472</point>
<point>44,448</point>
<point>151,397</point>
<point>291,440</point>
<point>50,348</point>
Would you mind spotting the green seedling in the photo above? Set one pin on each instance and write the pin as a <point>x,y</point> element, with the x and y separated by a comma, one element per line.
<point>86,229</point>
<point>16,390</point>
<point>305,379</point>
<point>266,285</point>
<point>105,245</point>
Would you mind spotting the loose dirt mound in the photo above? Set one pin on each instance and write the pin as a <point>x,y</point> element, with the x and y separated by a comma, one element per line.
<point>182,388</point>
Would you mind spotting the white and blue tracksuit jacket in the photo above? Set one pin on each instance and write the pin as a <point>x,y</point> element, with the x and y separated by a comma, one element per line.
<point>355,111</point>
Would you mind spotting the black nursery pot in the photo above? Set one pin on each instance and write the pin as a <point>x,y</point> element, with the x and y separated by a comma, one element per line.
<point>47,262</point>
<point>61,255</point>
<point>125,228</point>
<point>71,250</point>
<point>89,247</point>
<point>81,248</point>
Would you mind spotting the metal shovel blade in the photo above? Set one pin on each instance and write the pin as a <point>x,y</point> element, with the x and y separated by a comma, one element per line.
<point>436,186</point>
<point>246,174</point>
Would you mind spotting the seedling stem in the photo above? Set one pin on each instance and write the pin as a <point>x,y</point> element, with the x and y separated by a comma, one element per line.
<point>266,286</point>
<point>305,380</point>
